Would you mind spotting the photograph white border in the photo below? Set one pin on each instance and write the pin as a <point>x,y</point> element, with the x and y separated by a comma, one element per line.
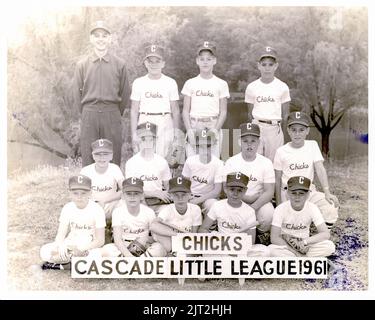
<point>6,22</point>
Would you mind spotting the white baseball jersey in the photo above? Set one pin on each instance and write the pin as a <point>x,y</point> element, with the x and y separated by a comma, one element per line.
<point>133,226</point>
<point>82,222</point>
<point>205,95</point>
<point>296,223</point>
<point>152,172</point>
<point>267,98</point>
<point>297,161</point>
<point>154,94</point>
<point>104,185</point>
<point>259,171</point>
<point>203,176</point>
<point>191,218</point>
<point>230,219</point>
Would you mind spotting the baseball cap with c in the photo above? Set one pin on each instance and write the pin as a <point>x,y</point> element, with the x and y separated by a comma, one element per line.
<point>146,129</point>
<point>179,183</point>
<point>102,145</point>
<point>100,25</point>
<point>268,52</point>
<point>237,179</point>
<point>207,45</point>
<point>205,137</point>
<point>249,128</point>
<point>299,183</point>
<point>298,117</point>
<point>154,50</point>
<point>132,184</point>
<point>79,182</point>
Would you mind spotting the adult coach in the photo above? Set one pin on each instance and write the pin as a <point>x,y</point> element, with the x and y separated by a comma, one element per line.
<point>101,92</point>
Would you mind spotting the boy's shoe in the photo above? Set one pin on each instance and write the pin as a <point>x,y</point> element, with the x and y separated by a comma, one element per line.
<point>56,266</point>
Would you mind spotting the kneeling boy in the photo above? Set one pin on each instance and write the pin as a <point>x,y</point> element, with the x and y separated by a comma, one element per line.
<point>81,228</point>
<point>178,217</point>
<point>290,232</point>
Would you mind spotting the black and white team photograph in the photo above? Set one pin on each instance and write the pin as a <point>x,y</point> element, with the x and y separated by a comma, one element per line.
<point>183,148</point>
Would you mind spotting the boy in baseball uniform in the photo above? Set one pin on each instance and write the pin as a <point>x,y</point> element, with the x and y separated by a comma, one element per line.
<point>302,157</point>
<point>204,170</point>
<point>101,92</point>
<point>259,169</point>
<point>268,102</point>
<point>205,99</point>
<point>151,168</point>
<point>131,222</point>
<point>81,228</point>
<point>106,177</point>
<point>178,217</point>
<point>233,215</point>
<point>290,233</point>
<point>155,99</point>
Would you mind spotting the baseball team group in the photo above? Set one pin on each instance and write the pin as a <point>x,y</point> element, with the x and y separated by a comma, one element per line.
<point>266,190</point>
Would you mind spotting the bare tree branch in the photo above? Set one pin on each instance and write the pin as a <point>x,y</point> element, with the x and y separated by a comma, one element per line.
<point>45,147</point>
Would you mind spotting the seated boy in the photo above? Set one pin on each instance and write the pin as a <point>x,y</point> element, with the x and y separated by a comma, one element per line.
<point>290,232</point>
<point>302,157</point>
<point>151,168</point>
<point>131,223</point>
<point>233,215</point>
<point>106,178</point>
<point>81,228</point>
<point>204,170</point>
<point>177,217</point>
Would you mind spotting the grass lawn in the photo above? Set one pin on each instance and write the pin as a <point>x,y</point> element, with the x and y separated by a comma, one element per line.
<point>35,200</point>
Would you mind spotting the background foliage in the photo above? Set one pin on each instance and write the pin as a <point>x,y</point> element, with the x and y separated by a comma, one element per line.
<point>323,59</point>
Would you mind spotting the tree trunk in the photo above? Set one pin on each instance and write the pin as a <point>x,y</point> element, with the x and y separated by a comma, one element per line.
<point>325,143</point>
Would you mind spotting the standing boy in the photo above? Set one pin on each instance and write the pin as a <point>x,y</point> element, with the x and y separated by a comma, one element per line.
<point>205,99</point>
<point>101,92</point>
<point>268,101</point>
<point>259,169</point>
<point>302,157</point>
<point>204,171</point>
<point>290,233</point>
<point>81,228</point>
<point>180,216</point>
<point>151,168</point>
<point>233,215</point>
<point>155,99</point>
<point>106,178</point>
<point>131,223</point>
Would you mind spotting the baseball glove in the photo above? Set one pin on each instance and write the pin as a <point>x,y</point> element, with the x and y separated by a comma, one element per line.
<point>296,243</point>
<point>137,247</point>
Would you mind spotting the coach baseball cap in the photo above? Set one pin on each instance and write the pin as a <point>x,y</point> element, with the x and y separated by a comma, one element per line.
<point>298,117</point>
<point>146,128</point>
<point>237,179</point>
<point>179,184</point>
<point>102,145</point>
<point>205,137</point>
<point>79,182</point>
<point>99,25</point>
<point>268,52</point>
<point>132,184</point>
<point>299,183</point>
<point>154,50</point>
<point>207,45</point>
<point>249,128</point>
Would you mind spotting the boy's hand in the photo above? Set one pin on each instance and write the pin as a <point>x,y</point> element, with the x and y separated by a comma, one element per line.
<point>64,252</point>
<point>195,200</point>
<point>332,199</point>
<point>163,195</point>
